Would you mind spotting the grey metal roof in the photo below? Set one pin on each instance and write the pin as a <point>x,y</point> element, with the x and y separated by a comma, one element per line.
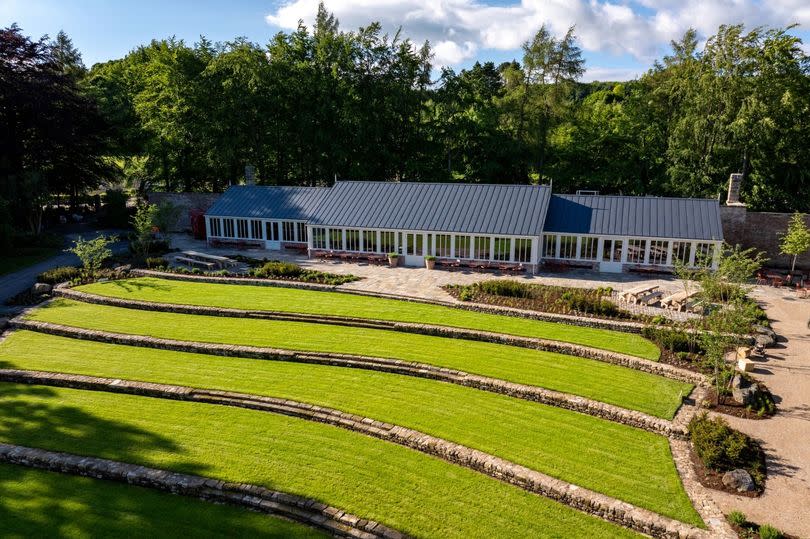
<point>518,210</point>
<point>269,202</point>
<point>651,217</point>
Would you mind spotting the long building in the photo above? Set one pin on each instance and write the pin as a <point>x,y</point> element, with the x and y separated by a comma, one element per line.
<point>523,225</point>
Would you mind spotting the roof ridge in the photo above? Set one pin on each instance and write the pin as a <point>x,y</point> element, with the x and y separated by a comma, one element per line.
<point>442,183</point>
<point>647,197</point>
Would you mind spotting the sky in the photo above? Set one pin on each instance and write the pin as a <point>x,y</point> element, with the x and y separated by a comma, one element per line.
<point>620,38</point>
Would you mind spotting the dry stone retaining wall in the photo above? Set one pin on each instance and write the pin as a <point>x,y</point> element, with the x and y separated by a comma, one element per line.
<point>547,345</point>
<point>605,507</point>
<point>330,519</point>
<point>522,391</point>
<point>583,321</point>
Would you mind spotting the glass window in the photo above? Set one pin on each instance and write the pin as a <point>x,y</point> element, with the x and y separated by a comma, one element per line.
<point>482,244</point>
<point>635,251</point>
<point>242,228</point>
<point>420,249</point>
<point>462,247</point>
<point>387,242</point>
<point>370,241</point>
<point>302,232</point>
<point>523,250</point>
<point>568,246</point>
<point>271,227</point>
<point>658,252</point>
<point>256,229</point>
<point>216,226</point>
<point>288,231</point>
<point>502,248</point>
<point>352,240</point>
<point>443,245</point>
<point>587,248</point>
<point>319,238</point>
<point>612,251</point>
<point>228,233</point>
<point>550,246</point>
<point>703,254</point>
<point>336,239</point>
<point>680,252</point>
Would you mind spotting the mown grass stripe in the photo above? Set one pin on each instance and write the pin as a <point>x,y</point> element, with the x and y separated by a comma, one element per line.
<point>592,379</point>
<point>406,490</point>
<point>336,303</point>
<point>618,461</point>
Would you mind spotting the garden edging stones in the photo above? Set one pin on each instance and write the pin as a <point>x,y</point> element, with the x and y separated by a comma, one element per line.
<point>546,345</point>
<point>585,500</point>
<point>311,512</point>
<point>526,392</point>
<point>583,321</point>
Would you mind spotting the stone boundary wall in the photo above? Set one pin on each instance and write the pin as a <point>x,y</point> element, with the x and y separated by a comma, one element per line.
<point>420,370</point>
<point>585,500</point>
<point>545,345</point>
<point>582,321</point>
<point>185,202</point>
<point>762,231</point>
<point>307,511</point>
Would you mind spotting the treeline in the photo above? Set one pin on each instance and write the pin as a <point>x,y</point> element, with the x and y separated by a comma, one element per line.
<point>318,104</point>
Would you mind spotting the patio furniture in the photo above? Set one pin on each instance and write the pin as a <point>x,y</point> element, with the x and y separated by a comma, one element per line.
<point>194,262</point>
<point>649,299</point>
<point>219,261</point>
<point>633,294</point>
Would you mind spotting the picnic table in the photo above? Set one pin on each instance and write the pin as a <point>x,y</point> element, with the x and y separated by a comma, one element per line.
<point>677,301</point>
<point>220,261</point>
<point>634,293</point>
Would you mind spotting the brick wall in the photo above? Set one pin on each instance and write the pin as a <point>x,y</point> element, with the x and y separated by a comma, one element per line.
<point>186,202</point>
<point>761,230</point>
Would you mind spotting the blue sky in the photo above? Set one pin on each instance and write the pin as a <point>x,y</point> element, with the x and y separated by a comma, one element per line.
<point>620,38</point>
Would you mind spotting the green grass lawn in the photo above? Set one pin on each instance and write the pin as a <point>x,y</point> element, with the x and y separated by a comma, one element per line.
<point>402,488</point>
<point>38,503</point>
<point>621,386</point>
<point>620,461</point>
<point>335,303</point>
<point>25,256</point>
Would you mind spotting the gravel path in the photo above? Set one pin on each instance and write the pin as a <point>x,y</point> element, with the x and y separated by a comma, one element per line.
<point>785,437</point>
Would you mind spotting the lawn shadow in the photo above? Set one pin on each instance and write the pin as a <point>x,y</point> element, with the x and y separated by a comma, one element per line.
<point>34,416</point>
<point>135,285</point>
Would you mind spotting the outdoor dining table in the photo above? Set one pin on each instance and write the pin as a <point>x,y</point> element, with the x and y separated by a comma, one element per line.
<point>638,291</point>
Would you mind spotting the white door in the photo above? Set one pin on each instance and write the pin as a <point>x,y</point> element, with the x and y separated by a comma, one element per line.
<point>611,256</point>
<point>272,240</point>
<point>414,249</point>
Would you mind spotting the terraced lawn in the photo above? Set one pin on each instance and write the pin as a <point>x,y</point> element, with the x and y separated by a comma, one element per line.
<point>335,303</point>
<point>409,491</point>
<point>38,503</point>
<point>608,383</point>
<point>620,461</point>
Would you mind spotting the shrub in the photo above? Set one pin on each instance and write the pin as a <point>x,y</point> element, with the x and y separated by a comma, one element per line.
<point>737,518</point>
<point>510,289</point>
<point>58,275</point>
<point>279,269</point>
<point>466,294</point>
<point>155,262</point>
<point>766,531</point>
<point>673,340</point>
<point>393,255</point>
<point>722,448</point>
<point>430,257</point>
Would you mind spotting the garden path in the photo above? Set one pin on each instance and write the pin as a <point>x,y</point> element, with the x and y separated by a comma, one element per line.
<point>786,372</point>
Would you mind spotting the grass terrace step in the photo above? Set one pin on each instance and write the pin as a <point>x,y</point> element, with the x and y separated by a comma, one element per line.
<point>404,489</point>
<point>593,379</point>
<point>619,461</point>
<point>38,503</point>
<point>341,304</point>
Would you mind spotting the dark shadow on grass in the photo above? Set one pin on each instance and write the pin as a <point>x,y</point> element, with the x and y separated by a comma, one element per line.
<point>136,285</point>
<point>52,425</point>
<point>43,504</point>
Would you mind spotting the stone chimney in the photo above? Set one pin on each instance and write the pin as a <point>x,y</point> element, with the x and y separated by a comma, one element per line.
<point>734,184</point>
<point>250,175</point>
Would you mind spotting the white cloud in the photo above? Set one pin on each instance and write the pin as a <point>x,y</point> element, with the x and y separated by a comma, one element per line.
<point>459,29</point>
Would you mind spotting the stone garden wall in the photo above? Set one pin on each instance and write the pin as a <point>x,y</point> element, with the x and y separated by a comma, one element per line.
<point>330,519</point>
<point>583,499</point>
<point>419,370</point>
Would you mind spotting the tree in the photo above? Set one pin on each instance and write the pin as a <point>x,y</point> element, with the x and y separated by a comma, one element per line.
<point>68,59</point>
<point>796,240</point>
<point>144,223</point>
<point>93,253</point>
